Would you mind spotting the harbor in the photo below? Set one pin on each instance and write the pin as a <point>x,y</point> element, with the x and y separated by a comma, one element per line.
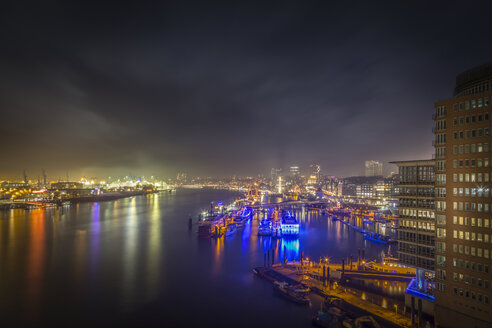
<point>363,288</point>
<point>123,240</point>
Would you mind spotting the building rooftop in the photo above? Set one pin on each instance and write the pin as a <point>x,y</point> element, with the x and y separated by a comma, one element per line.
<point>422,161</point>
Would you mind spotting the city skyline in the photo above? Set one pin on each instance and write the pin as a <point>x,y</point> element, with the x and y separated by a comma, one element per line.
<point>177,88</point>
<point>322,164</point>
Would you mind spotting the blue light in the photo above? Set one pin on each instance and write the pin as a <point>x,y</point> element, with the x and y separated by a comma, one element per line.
<point>417,293</point>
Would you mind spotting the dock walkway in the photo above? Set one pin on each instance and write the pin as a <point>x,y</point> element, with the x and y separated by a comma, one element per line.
<point>355,303</point>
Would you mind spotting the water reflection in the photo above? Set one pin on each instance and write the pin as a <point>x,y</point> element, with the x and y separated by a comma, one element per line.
<point>291,249</point>
<point>95,238</point>
<point>154,247</point>
<point>130,251</point>
<point>36,262</point>
<point>104,262</point>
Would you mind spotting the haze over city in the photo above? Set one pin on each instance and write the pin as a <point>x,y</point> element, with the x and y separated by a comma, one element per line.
<point>246,164</point>
<point>223,90</point>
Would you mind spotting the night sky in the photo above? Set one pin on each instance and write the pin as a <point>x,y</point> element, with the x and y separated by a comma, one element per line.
<point>221,90</point>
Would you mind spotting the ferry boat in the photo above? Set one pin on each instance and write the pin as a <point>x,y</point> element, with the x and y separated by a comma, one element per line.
<point>289,226</point>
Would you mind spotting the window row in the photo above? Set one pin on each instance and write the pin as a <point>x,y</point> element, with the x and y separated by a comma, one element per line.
<point>407,212</point>
<point>412,224</point>
<point>472,207</point>
<point>469,148</point>
<point>467,163</point>
<point>470,265</point>
<point>471,294</point>
<point>471,251</point>
<point>467,134</point>
<point>471,192</point>
<point>474,103</point>
<point>470,119</point>
<point>474,222</point>
<point>470,280</point>
<point>473,236</point>
<point>471,177</point>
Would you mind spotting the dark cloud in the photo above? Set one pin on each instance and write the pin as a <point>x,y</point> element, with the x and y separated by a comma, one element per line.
<point>207,89</point>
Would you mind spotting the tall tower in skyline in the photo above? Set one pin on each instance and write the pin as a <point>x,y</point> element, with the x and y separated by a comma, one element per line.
<point>314,173</point>
<point>373,169</point>
<point>463,202</point>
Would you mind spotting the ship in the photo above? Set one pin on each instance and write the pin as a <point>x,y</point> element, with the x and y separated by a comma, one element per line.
<point>290,293</point>
<point>289,226</point>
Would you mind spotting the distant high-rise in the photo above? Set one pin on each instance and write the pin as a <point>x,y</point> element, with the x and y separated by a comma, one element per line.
<point>275,173</point>
<point>463,147</point>
<point>314,174</point>
<point>294,172</point>
<point>374,169</point>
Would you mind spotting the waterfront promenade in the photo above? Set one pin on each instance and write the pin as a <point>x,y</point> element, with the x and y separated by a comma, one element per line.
<point>356,300</point>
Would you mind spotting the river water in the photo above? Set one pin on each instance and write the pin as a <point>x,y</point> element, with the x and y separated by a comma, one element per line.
<point>134,263</point>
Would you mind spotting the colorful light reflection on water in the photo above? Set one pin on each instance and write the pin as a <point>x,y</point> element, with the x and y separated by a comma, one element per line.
<point>133,262</point>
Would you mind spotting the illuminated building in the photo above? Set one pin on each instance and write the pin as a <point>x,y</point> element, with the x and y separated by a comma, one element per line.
<point>314,174</point>
<point>374,169</point>
<point>67,185</point>
<point>294,172</point>
<point>416,233</point>
<point>365,191</point>
<point>463,204</point>
<point>280,187</point>
<point>275,173</point>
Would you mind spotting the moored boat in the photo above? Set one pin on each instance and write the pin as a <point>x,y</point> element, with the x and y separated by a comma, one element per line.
<point>286,291</point>
<point>231,229</point>
<point>289,226</point>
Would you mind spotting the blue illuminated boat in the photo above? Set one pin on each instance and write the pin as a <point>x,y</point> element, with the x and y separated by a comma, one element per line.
<point>231,229</point>
<point>265,228</point>
<point>246,213</point>
<point>289,226</point>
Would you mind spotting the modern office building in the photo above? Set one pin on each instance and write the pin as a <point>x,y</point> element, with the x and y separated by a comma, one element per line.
<point>373,169</point>
<point>463,202</point>
<point>294,173</point>
<point>417,233</point>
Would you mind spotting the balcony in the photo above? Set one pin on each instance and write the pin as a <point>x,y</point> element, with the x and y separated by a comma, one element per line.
<point>425,290</point>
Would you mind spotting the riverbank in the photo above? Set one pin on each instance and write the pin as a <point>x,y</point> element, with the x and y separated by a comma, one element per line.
<point>352,300</point>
